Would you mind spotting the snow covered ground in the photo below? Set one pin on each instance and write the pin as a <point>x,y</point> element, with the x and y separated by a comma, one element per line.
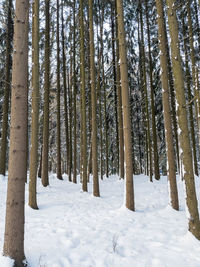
<point>72,228</point>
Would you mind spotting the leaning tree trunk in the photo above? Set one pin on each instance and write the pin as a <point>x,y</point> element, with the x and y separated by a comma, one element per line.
<point>186,156</point>
<point>9,39</point>
<point>17,170</point>
<point>126,109</point>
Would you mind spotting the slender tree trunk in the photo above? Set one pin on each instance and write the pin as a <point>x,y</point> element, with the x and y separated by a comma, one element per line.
<point>115,84</point>
<point>75,94</point>
<point>35,108</point>
<point>70,124</point>
<point>9,39</point>
<point>17,170</point>
<point>192,55</point>
<point>126,109</point>
<point>83,106</point>
<point>119,98</point>
<point>45,152</point>
<point>166,106</point>
<point>94,105</point>
<point>65,93</point>
<point>190,99</point>
<point>186,156</point>
<point>147,117</point>
<point>59,172</point>
<point>155,148</point>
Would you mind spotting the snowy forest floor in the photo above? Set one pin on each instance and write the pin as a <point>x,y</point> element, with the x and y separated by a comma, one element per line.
<point>72,228</point>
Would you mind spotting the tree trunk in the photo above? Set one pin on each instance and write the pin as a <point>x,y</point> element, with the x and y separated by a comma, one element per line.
<point>120,115</point>
<point>155,148</point>
<point>94,105</point>
<point>45,152</point>
<point>59,172</point>
<point>144,81</point>
<point>35,108</point>
<point>186,155</point>
<point>83,104</point>
<point>9,39</point>
<point>126,109</point>
<point>166,106</point>
<point>17,170</point>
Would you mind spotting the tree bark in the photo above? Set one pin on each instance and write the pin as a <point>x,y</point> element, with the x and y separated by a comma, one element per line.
<point>126,109</point>
<point>166,107</point>
<point>186,155</point>
<point>17,170</point>
<point>94,105</point>
<point>45,151</point>
<point>9,39</point>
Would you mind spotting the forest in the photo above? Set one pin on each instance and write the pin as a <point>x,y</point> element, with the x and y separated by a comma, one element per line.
<point>99,133</point>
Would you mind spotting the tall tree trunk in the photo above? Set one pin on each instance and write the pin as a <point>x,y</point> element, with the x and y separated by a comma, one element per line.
<point>144,80</point>
<point>59,172</point>
<point>186,156</point>
<point>35,107</point>
<point>17,170</point>
<point>126,109</point>
<point>192,55</point>
<point>155,148</point>
<point>115,84</point>
<point>45,152</point>
<point>166,106</point>
<point>65,94</point>
<point>83,106</point>
<point>75,93</point>
<point>9,39</point>
<point>190,98</point>
<point>119,103</point>
<point>94,105</point>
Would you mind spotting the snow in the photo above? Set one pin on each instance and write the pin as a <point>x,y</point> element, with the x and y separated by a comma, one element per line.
<point>73,228</point>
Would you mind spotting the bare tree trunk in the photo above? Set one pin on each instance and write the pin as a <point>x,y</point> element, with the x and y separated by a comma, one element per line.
<point>83,106</point>
<point>35,108</point>
<point>9,39</point>
<point>17,170</point>
<point>65,94</point>
<point>119,98</point>
<point>126,109</point>
<point>59,172</point>
<point>166,106</point>
<point>94,105</point>
<point>186,156</point>
<point>155,148</point>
